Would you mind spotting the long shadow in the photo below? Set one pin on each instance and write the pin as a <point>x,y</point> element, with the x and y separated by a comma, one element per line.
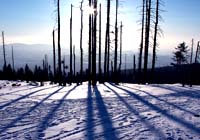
<point>23,97</point>
<point>108,129</point>
<point>175,89</point>
<point>45,122</point>
<point>194,95</point>
<point>155,97</point>
<point>163,112</point>
<point>189,93</point>
<point>4,128</point>
<point>137,113</point>
<point>90,121</point>
<point>17,91</point>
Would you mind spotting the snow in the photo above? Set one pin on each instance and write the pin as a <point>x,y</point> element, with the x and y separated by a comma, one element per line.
<point>126,111</point>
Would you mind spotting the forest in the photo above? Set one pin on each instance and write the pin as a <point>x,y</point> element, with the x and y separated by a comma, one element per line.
<point>183,68</point>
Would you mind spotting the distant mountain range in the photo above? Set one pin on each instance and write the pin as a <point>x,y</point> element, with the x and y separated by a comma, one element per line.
<point>34,54</point>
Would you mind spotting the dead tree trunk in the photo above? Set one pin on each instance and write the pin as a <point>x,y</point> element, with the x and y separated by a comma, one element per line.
<point>100,71</point>
<point>59,48</point>
<point>116,45</point>
<point>4,51</point>
<point>71,73</point>
<point>54,56</point>
<point>74,56</point>
<point>147,34</point>
<point>142,43</point>
<point>105,57</point>
<point>191,56</point>
<point>94,44</point>
<point>155,39</point>
<point>13,62</point>
<point>134,65</point>
<point>108,37</point>
<point>90,45</point>
<point>197,52</point>
<point>81,38</point>
<point>120,60</point>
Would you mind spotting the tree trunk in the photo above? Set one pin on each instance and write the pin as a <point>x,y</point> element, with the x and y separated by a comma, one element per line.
<point>120,60</point>
<point>100,71</point>
<point>71,73</point>
<point>108,37</point>
<point>142,43</point>
<point>155,40</point>
<point>13,62</point>
<point>94,45</point>
<point>191,56</point>
<point>197,52</point>
<point>4,51</point>
<point>105,57</point>
<point>81,48</point>
<point>134,65</point>
<point>74,56</point>
<point>59,48</point>
<point>54,56</point>
<point>116,45</point>
<point>90,45</point>
<point>147,34</point>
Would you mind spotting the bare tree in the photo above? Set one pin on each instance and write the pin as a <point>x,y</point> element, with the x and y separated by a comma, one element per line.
<point>74,56</point>
<point>90,44</point>
<point>147,35</point>
<point>120,60</point>
<point>100,71</point>
<point>59,48</point>
<point>107,42</point>
<point>116,44</point>
<point>191,56</point>
<point>134,65</point>
<point>70,75</point>
<point>13,62</point>
<point>54,56</point>
<point>81,38</point>
<point>197,52</point>
<point>94,43</point>
<point>142,41</point>
<point>4,51</point>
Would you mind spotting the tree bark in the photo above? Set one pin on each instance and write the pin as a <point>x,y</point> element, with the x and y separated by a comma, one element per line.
<point>147,34</point>
<point>4,50</point>
<point>54,56</point>
<point>155,39</point>
<point>100,71</point>
<point>81,40</point>
<point>71,72</point>
<point>59,48</point>
<point>142,43</point>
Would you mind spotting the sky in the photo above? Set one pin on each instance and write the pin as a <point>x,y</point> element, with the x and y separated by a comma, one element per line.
<point>32,22</point>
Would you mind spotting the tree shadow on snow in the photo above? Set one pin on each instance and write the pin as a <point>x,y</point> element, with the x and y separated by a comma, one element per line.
<point>18,91</point>
<point>163,112</point>
<point>162,100</point>
<point>90,114</point>
<point>46,120</point>
<point>23,97</point>
<point>13,122</point>
<point>108,129</point>
<point>177,89</point>
<point>156,131</point>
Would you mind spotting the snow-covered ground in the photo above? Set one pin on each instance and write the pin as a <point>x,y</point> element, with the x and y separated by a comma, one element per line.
<point>127,111</point>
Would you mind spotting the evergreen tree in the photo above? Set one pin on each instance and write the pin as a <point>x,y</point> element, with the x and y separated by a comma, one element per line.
<point>180,56</point>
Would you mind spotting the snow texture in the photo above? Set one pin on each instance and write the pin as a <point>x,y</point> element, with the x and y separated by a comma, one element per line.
<point>106,111</point>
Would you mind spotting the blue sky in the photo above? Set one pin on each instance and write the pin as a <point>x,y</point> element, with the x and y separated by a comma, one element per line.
<point>32,21</point>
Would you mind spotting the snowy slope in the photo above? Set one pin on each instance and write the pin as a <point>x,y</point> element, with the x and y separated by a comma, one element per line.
<point>127,111</point>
